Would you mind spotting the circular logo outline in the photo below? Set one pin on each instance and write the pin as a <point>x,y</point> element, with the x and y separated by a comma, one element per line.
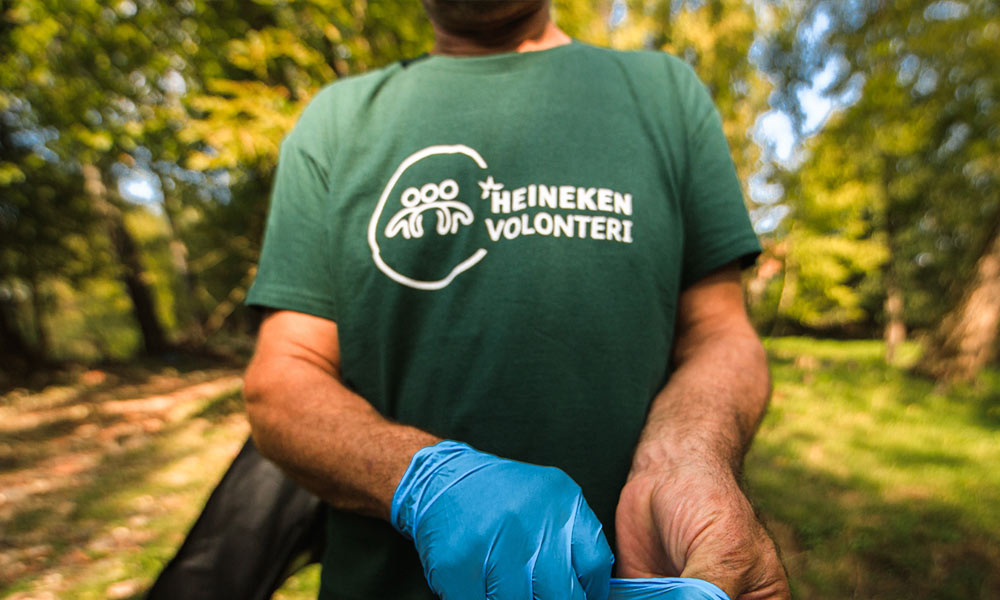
<point>396,276</point>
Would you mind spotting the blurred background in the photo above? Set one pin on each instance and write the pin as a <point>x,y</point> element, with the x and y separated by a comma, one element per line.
<point>138,141</point>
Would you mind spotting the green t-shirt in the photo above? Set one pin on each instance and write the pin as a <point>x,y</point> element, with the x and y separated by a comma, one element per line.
<point>502,241</point>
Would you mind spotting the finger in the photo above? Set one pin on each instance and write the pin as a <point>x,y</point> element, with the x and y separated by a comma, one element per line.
<point>554,580</point>
<point>591,556</point>
<point>507,580</point>
<point>455,577</point>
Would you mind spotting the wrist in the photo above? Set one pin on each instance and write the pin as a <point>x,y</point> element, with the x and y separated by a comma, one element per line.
<point>419,481</point>
<point>678,460</point>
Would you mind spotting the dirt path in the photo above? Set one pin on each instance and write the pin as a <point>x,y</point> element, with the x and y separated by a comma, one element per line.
<point>66,451</point>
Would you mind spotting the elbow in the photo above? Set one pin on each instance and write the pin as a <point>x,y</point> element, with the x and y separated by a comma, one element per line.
<point>762,386</point>
<point>254,389</point>
<point>259,388</point>
<point>254,385</point>
<point>763,369</point>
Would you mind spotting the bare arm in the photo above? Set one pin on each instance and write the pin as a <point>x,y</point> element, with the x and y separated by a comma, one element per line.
<point>710,409</point>
<point>334,443</point>
<point>329,439</point>
<point>682,511</point>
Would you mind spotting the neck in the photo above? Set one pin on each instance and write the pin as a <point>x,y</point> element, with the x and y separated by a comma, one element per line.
<point>529,33</point>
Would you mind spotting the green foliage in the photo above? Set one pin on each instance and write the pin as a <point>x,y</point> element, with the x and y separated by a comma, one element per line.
<point>200,94</point>
<point>159,86</point>
<point>44,227</point>
<point>905,172</point>
<point>257,66</point>
<point>84,86</point>
<point>828,270</point>
<point>94,321</point>
<point>251,71</point>
<point>714,36</point>
<point>89,71</point>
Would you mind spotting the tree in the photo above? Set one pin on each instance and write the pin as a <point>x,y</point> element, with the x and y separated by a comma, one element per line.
<point>44,227</point>
<point>253,68</point>
<point>917,134</point>
<point>198,95</point>
<point>714,36</point>
<point>84,72</point>
<point>966,339</point>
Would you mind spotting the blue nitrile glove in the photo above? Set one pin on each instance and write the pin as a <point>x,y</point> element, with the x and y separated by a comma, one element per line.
<point>487,527</point>
<point>665,588</point>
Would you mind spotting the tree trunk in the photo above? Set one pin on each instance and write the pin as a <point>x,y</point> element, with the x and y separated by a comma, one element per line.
<point>789,288</point>
<point>895,327</point>
<point>231,303</point>
<point>133,275</point>
<point>966,338</point>
<point>38,319</point>
<point>15,352</point>
<point>192,290</point>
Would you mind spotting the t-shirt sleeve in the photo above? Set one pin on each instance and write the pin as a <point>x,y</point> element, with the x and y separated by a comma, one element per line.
<point>294,271</point>
<point>717,229</point>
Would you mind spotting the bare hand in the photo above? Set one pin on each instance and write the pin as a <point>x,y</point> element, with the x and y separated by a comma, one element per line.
<point>696,522</point>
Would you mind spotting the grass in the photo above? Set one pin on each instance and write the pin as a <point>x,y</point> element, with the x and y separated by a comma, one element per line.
<point>876,483</point>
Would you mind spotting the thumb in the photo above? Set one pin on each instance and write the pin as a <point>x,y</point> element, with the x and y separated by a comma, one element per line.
<point>591,553</point>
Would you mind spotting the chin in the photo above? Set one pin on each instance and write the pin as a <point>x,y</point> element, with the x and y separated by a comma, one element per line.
<point>470,16</point>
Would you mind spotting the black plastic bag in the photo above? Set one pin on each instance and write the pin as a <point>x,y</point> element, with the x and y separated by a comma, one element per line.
<point>257,528</point>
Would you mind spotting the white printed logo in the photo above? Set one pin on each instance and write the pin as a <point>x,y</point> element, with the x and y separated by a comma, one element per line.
<point>540,210</point>
<point>409,220</point>
<point>440,197</point>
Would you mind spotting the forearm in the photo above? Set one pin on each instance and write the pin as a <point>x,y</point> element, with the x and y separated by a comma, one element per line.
<point>707,414</point>
<point>336,444</point>
<point>682,510</point>
<point>329,439</point>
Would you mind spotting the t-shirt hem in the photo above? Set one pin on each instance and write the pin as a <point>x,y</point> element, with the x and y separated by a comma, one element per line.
<point>745,252</point>
<point>283,299</point>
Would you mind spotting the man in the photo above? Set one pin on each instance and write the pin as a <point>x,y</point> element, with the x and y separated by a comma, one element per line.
<point>504,244</point>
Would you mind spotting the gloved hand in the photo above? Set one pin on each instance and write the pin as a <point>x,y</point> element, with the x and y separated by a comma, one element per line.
<point>490,528</point>
<point>665,588</point>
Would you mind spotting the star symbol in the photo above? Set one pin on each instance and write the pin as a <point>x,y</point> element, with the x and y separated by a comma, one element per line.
<point>489,186</point>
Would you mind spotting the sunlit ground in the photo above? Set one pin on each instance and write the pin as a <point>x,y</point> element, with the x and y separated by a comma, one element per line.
<point>875,484</point>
